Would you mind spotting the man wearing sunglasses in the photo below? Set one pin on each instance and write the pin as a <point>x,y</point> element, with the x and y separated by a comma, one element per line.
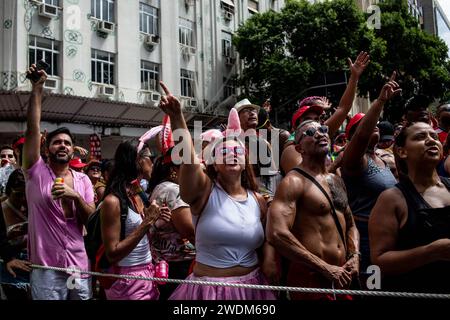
<point>312,108</point>
<point>310,222</point>
<point>443,116</point>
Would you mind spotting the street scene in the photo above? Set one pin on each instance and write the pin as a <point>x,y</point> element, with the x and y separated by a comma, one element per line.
<point>226,150</point>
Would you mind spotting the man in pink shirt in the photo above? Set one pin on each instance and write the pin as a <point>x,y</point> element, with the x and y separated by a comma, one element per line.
<point>56,211</point>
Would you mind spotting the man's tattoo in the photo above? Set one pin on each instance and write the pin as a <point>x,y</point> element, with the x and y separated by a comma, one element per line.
<point>338,193</point>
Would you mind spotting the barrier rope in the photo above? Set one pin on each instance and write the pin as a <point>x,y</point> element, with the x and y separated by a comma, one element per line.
<point>373,293</point>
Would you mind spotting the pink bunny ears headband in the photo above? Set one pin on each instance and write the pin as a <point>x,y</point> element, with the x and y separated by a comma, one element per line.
<point>233,130</point>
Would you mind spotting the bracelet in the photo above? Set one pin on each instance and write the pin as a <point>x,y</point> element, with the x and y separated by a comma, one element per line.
<point>352,254</point>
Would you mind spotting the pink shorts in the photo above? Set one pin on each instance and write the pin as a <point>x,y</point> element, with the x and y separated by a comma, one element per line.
<point>130,289</point>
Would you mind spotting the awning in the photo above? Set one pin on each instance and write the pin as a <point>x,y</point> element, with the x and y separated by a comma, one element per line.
<point>76,109</point>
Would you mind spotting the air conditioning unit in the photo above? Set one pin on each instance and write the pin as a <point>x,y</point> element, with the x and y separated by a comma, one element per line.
<point>51,84</point>
<point>151,40</point>
<point>106,91</point>
<point>229,61</point>
<point>48,11</point>
<point>193,103</point>
<point>105,26</point>
<point>228,15</point>
<point>37,1</point>
<point>152,98</point>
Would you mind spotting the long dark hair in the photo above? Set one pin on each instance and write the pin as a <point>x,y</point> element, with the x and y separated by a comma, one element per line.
<point>124,171</point>
<point>161,171</point>
<point>248,180</point>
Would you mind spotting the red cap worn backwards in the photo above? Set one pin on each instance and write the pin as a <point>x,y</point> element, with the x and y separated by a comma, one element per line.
<point>353,121</point>
<point>299,113</point>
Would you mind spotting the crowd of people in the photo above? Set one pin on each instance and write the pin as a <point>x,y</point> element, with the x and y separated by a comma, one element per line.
<point>311,207</point>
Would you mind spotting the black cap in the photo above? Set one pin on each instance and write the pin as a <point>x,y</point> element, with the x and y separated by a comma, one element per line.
<point>386,130</point>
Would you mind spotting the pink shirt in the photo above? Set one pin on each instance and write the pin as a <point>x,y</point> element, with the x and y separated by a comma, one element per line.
<point>53,239</point>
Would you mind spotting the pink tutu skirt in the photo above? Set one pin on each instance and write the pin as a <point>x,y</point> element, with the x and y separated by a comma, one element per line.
<point>130,289</point>
<point>201,292</point>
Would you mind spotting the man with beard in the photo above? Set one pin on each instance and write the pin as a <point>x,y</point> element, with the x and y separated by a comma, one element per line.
<point>310,221</point>
<point>57,211</point>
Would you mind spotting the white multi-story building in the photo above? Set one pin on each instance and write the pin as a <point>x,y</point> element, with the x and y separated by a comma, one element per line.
<point>107,57</point>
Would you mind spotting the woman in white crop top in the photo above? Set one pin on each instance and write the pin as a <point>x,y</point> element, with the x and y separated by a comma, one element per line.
<point>227,214</point>
<point>127,246</point>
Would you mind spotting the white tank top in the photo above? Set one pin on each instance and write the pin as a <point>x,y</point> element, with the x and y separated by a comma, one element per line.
<point>229,231</point>
<point>141,253</point>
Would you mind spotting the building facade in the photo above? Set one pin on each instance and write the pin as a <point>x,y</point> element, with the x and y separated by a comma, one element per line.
<point>107,56</point>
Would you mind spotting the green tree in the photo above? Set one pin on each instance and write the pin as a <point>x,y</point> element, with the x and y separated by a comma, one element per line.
<point>285,52</point>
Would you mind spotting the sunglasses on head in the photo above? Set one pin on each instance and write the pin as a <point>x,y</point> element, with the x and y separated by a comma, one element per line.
<point>237,150</point>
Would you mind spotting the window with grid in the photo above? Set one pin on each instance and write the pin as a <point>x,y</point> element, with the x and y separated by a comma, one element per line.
<point>227,47</point>
<point>149,76</point>
<point>187,83</point>
<point>44,49</point>
<point>102,67</point>
<point>186,33</point>
<point>103,9</point>
<point>229,87</point>
<point>52,2</point>
<point>148,19</point>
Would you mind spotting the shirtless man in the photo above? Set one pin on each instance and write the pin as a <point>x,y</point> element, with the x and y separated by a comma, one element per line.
<point>301,226</point>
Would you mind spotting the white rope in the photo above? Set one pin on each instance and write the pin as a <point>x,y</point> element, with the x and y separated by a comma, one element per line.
<point>254,286</point>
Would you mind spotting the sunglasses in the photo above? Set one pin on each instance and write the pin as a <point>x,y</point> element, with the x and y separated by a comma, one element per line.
<point>311,132</point>
<point>236,150</point>
<point>4,156</point>
<point>95,169</point>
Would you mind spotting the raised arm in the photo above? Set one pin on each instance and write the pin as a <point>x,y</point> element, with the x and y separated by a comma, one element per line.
<point>386,219</point>
<point>354,161</point>
<point>346,102</point>
<point>194,183</point>
<point>32,146</point>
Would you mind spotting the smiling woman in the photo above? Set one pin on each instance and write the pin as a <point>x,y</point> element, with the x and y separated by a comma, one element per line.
<point>228,214</point>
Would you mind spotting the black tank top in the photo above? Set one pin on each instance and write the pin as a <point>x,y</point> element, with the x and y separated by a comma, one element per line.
<point>423,226</point>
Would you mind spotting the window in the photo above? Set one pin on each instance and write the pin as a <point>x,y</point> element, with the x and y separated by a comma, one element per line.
<point>102,67</point>
<point>228,88</point>
<point>148,19</point>
<point>149,76</point>
<point>103,9</point>
<point>44,49</point>
<point>52,2</point>
<point>227,48</point>
<point>186,33</point>
<point>187,83</point>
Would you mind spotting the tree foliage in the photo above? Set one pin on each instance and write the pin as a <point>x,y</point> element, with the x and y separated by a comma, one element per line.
<point>285,52</point>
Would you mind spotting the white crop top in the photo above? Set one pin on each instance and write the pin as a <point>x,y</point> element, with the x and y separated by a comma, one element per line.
<point>229,231</point>
<point>141,253</point>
